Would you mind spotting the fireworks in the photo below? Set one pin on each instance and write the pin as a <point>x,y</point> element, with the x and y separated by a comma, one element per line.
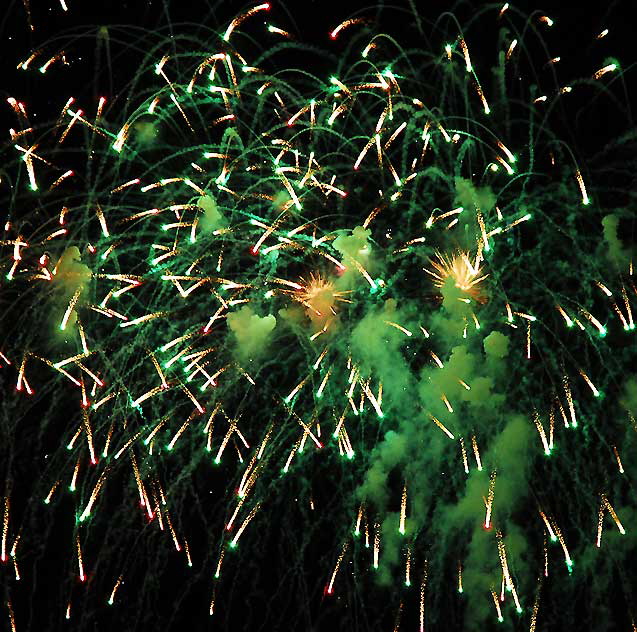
<point>458,268</point>
<point>359,336</point>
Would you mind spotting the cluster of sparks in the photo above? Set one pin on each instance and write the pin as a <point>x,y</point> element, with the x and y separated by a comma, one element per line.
<point>140,343</point>
<point>464,275</point>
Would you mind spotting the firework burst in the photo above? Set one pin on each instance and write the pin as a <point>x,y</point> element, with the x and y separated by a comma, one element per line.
<point>220,378</point>
<point>464,275</point>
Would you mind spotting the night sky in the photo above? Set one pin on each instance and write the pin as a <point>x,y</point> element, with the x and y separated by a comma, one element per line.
<point>277,578</point>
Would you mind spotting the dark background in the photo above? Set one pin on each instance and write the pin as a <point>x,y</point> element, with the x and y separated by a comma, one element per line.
<point>586,129</point>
